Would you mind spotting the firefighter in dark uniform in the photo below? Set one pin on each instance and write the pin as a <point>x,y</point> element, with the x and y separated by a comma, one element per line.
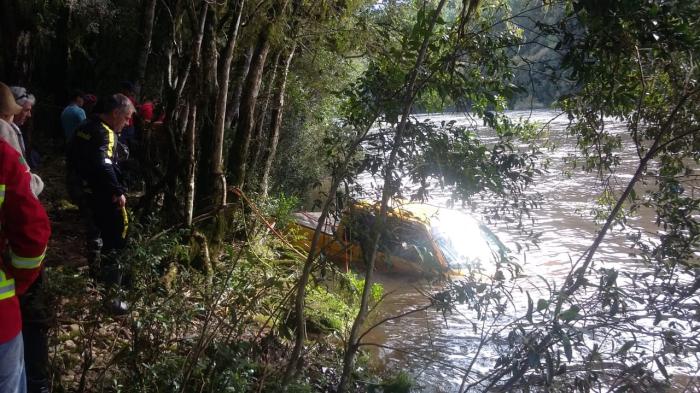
<point>95,184</point>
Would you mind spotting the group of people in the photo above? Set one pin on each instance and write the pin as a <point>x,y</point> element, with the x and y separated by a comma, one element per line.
<point>94,183</point>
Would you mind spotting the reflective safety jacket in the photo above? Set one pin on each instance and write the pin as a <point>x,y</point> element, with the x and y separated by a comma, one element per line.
<point>92,155</point>
<point>24,234</point>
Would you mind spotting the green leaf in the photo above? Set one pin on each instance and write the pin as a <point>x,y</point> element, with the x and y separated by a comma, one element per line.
<point>570,314</point>
<point>528,316</point>
<point>542,304</point>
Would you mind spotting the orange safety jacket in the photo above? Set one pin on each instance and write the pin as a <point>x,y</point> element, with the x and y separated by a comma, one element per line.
<point>24,234</point>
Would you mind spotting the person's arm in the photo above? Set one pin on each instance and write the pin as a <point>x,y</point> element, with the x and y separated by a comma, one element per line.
<point>104,162</point>
<point>37,185</point>
<point>10,136</point>
<point>25,223</point>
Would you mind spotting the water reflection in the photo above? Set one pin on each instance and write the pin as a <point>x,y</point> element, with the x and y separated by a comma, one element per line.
<point>466,243</point>
<point>425,343</point>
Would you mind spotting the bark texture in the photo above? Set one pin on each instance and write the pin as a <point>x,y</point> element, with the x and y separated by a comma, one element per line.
<point>142,62</point>
<point>259,140</point>
<point>217,170</point>
<point>238,155</point>
<point>276,122</point>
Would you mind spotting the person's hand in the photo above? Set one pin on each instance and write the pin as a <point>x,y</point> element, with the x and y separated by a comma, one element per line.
<point>119,200</point>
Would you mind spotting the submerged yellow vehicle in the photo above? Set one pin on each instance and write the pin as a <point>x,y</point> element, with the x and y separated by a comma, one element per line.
<point>418,239</point>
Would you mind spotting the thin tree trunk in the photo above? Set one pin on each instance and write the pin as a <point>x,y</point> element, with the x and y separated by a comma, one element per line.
<point>177,124</point>
<point>208,74</point>
<point>170,182</point>
<point>574,280</point>
<point>276,122</point>
<point>172,110</point>
<point>238,155</point>
<point>387,192</point>
<point>142,62</point>
<point>217,164</point>
<point>232,110</point>
<point>191,164</point>
<point>258,141</point>
<point>184,74</point>
<point>299,301</point>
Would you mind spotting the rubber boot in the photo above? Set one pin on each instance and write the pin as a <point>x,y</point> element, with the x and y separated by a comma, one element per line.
<point>94,257</point>
<point>113,276</point>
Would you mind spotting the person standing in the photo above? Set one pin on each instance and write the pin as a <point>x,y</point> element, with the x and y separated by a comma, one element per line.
<point>10,109</point>
<point>10,132</point>
<point>73,114</point>
<point>33,305</point>
<point>89,102</point>
<point>21,126</point>
<point>95,184</point>
<point>25,232</point>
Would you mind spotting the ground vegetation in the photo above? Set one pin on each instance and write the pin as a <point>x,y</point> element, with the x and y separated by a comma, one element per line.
<point>263,102</point>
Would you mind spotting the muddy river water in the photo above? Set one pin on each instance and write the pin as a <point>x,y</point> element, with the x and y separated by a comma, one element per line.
<point>427,344</point>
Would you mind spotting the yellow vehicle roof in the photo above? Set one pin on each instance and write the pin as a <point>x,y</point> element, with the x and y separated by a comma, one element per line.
<point>405,211</point>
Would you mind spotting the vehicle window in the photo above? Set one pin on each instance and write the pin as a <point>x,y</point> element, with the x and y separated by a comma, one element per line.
<point>465,242</point>
<point>407,240</point>
<point>403,239</point>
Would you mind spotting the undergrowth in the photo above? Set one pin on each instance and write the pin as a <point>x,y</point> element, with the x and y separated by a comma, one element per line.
<point>198,327</point>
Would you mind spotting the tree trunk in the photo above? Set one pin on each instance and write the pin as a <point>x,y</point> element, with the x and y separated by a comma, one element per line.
<point>142,62</point>
<point>232,110</point>
<point>338,175</point>
<point>176,129</point>
<point>238,156</point>
<point>208,75</point>
<point>217,164</point>
<point>258,141</point>
<point>276,122</point>
<point>300,299</point>
<point>177,119</point>
<point>387,192</point>
<point>191,163</point>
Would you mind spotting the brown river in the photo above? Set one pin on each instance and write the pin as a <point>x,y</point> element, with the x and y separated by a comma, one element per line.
<point>429,345</point>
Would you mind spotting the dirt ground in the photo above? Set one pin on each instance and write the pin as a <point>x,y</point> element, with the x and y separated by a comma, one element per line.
<point>67,244</point>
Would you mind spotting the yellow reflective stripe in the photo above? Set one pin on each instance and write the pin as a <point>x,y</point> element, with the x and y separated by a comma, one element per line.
<point>110,138</point>
<point>2,194</point>
<point>26,262</point>
<point>125,216</point>
<point>7,287</point>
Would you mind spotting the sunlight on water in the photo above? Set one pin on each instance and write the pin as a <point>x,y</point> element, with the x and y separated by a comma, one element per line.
<point>463,241</point>
<point>427,343</point>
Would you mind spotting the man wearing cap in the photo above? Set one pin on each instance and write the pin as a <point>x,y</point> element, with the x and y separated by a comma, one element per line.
<point>24,230</point>
<point>73,114</point>
<point>94,183</point>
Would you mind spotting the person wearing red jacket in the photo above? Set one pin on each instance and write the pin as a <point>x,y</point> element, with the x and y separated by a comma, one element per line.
<point>24,234</point>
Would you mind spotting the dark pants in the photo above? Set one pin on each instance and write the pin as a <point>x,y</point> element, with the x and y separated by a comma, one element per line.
<point>105,229</point>
<point>35,326</point>
<point>112,223</point>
